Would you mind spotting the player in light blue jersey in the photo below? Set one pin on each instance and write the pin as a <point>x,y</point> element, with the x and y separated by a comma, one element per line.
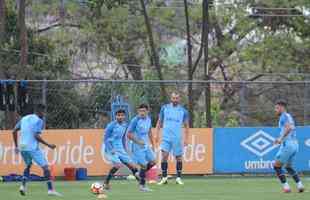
<point>31,127</point>
<point>288,148</point>
<point>139,131</point>
<point>172,117</point>
<point>115,134</point>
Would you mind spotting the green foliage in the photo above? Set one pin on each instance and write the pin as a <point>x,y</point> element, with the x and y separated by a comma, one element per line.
<point>42,59</point>
<point>219,117</point>
<point>243,44</point>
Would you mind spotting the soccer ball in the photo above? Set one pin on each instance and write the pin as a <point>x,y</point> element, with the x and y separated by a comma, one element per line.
<point>96,188</point>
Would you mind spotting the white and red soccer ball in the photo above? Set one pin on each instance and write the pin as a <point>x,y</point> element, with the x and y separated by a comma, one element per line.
<point>96,188</point>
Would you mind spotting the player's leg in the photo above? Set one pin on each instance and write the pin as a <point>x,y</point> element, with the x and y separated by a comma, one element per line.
<point>150,158</point>
<point>281,159</point>
<point>178,153</point>
<point>150,165</point>
<point>110,175</point>
<point>129,163</point>
<point>116,165</point>
<point>143,187</point>
<point>281,176</point>
<point>146,161</point>
<point>138,157</point>
<point>165,149</point>
<point>289,168</point>
<point>296,178</point>
<point>28,162</point>
<point>179,168</point>
<point>39,158</point>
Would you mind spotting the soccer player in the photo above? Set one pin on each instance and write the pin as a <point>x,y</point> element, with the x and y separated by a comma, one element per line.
<point>31,127</point>
<point>139,131</point>
<point>288,148</point>
<point>172,117</point>
<point>114,136</point>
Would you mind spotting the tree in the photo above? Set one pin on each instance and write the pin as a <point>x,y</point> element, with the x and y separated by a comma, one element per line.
<point>62,12</point>
<point>190,65</point>
<point>128,37</point>
<point>205,42</point>
<point>2,21</point>
<point>155,57</point>
<point>22,35</point>
<point>246,48</point>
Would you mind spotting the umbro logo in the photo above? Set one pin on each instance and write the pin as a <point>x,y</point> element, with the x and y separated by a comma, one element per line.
<point>259,143</point>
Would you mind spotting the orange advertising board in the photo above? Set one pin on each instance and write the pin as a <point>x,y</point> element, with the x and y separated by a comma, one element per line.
<point>83,148</point>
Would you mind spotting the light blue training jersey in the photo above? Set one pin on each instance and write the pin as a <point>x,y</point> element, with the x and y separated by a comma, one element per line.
<point>286,118</point>
<point>114,136</point>
<point>30,126</point>
<point>141,127</point>
<point>172,118</point>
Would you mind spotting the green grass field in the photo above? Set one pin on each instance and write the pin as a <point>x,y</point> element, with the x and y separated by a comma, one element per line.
<point>195,189</point>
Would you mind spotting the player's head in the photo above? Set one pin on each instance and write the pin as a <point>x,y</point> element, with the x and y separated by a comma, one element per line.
<point>28,110</point>
<point>143,110</point>
<point>175,98</point>
<point>280,107</point>
<point>39,110</point>
<point>120,115</point>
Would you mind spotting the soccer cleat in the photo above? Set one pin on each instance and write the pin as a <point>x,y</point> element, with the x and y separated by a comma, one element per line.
<point>54,193</point>
<point>164,180</point>
<point>179,181</point>
<point>106,186</point>
<point>143,188</point>
<point>300,187</point>
<point>286,188</point>
<point>22,190</point>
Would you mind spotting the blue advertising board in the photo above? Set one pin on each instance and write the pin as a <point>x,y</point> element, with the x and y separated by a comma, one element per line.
<point>251,150</point>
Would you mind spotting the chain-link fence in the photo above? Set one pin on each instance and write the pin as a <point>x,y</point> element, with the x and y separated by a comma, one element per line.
<point>87,104</point>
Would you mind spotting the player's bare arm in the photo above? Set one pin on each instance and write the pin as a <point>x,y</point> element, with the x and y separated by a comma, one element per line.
<point>186,133</point>
<point>134,139</point>
<point>153,139</point>
<point>15,138</point>
<point>40,139</point>
<point>287,131</point>
<point>158,126</point>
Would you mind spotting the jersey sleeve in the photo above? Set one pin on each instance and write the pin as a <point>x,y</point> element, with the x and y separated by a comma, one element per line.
<point>290,120</point>
<point>161,114</point>
<point>133,124</point>
<point>185,116</point>
<point>286,119</point>
<point>38,126</point>
<point>18,125</point>
<point>108,136</point>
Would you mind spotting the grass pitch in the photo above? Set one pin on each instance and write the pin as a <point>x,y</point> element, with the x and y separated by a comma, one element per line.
<point>194,189</point>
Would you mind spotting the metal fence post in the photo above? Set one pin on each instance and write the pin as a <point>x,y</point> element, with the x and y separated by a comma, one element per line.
<point>44,97</point>
<point>306,100</point>
<point>242,103</point>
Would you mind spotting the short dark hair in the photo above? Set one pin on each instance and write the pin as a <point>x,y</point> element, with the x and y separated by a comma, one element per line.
<point>281,103</point>
<point>143,105</point>
<point>39,107</point>
<point>120,111</point>
<point>175,93</point>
